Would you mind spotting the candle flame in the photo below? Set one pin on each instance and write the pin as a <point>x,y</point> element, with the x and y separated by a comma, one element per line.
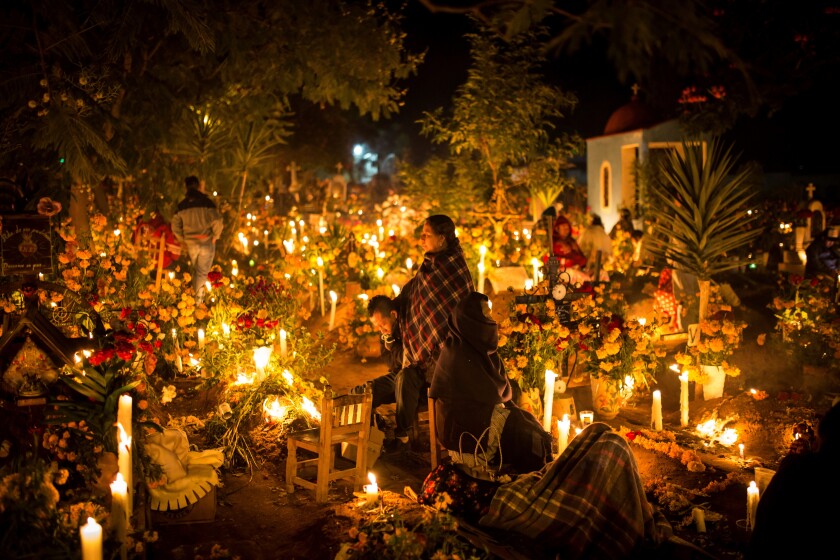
<point>372,478</point>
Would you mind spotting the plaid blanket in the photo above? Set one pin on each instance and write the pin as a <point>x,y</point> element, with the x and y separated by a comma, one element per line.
<point>427,299</point>
<point>588,503</point>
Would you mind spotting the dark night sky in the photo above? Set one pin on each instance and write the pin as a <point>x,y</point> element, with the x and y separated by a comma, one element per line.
<point>801,138</point>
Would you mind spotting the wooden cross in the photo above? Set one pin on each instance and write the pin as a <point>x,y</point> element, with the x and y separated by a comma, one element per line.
<point>293,168</point>
<point>635,88</point>
<point>810,188</point>
<point>501,215</point>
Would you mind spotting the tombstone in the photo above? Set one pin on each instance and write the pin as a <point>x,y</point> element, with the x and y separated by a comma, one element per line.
<point>816,222</point>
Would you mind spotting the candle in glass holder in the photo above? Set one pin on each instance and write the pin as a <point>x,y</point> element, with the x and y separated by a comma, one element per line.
<point>91,536</point>
<point>752,504</point>
<point>548,399</point>
<point>586,417</point>
<point>656,411</point>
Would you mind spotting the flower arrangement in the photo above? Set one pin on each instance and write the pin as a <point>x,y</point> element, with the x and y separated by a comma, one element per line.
<point>719,338</point>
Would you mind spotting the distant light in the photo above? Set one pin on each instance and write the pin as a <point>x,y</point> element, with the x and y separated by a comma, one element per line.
<point>358,150</point>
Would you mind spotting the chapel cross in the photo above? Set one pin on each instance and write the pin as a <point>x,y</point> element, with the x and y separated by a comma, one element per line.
<point>810,188</point>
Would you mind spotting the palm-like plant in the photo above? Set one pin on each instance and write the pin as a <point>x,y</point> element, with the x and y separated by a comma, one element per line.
<point>699,212</point>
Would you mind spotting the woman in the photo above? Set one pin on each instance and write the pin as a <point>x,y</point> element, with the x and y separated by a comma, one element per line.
<point>426,300</point>
<point>564,245</point>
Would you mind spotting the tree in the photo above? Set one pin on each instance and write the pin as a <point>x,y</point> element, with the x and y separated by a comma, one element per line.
<point>699,211</point>
<point>504,117</point>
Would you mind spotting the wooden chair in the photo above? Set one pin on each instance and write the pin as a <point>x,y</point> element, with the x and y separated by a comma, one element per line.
<point>344,419</point>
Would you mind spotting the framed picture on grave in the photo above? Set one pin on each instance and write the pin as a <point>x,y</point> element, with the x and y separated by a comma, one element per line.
<point>25,244</point>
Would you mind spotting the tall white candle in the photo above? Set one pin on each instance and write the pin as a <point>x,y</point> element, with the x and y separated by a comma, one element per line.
<point>656,411</point>
<point>283,349</point>
<point>752,504</point>
<point>684,399</point>
<point>124,464</point>
<point>699,519</point>
<point>480,286</point>
<point>371,490</point>
<point>321,283</point>
<point>119,508</point>
<point>536,264</point>
<point>200,337</point>
<point>124,414</point>
<point>333,299</point>
<point>550,377</point>
<point>482,251</point>
<point>563,426</point>
<point>91,536</point>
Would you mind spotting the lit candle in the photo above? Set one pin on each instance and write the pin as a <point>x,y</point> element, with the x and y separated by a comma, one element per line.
<point>684,399</point>
<point>408,265</point>
<point>200,339</point>
<point>124,414</point>
<point>321,283</point>
<point>699,519</point>
<point>482,251</point>
<point>333,299</point>
<point>752,504</point>
<point>480,286</point>
<point>529,284</point>
<point>586,417</point>
<point>119,508</point>
<point>226,330</point>
<point>548,399</point>
<point>741,451</point>
<point>261,356</point>
<point>91,535</point>
<point>371,490</point>
<point>536,264</point>
<point>124,465</point>
<point>656,411</point>
<point>283,348</point>
<point>563,426</point>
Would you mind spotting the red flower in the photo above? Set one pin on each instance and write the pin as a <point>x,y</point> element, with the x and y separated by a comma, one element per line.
<point>125,313</point>
<point>632,435</point>
<point>125,350</point>
<point>48,207</point>
<point>145,346</point>
<point>101,356</point>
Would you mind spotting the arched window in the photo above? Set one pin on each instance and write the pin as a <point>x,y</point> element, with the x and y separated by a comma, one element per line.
<point>606,185</point>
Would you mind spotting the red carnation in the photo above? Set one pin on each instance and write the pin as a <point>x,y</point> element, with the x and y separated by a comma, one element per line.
<point>125,313</point>
<point>125,350</point>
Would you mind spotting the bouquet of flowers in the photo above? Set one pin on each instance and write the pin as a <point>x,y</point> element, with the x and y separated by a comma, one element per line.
<point>719,338</point>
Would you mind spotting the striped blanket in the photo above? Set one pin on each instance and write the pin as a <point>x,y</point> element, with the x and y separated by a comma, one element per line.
<point>589,503</point>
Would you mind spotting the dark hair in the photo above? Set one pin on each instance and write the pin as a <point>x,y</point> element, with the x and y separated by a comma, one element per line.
<point>625,213</point>
<point>596,220</point>
<point>381,304</point>
<point>191,182</point>
<point>443,225</point>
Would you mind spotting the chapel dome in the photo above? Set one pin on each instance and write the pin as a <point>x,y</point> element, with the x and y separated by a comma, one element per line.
<point>632,116</point>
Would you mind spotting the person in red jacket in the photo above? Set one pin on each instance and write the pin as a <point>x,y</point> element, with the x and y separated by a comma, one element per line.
<point>151,229</point>
<point>564,245</point>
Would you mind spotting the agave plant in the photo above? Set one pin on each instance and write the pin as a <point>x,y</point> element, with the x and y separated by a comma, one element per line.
<point>699,208</point>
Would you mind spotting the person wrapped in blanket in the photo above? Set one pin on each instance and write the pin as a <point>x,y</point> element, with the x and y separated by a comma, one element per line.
<point>426,300</point>
<point>473,406</point>
<point>588,503</point>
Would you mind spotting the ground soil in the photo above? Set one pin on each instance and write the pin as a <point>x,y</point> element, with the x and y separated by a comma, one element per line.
<point>256,519</point>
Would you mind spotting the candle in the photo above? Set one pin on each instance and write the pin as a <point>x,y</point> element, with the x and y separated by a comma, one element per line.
<point>482,251</point>
<point>656,411</point>
<point>226,330</point>
<point>563,426</point>
<point>262,355</point>
<point>371,490</point>
<point>741,451</point>
<point>586,417</point>
<point>178,363</point>
<point>409,264</point>
<point>529,284</point>
<point>283,348</point>
<point>699,519</point>
<point>119,508</point>
<point>684,399</point>
<point>124,464</point>
<point>333,299</point>
<point>536,264</point>
<point>752,505</point>
<point>480,286</point>
<point>91,535</point>
<point>548,399</point>
<point>124,414</point>
<point>200,339</point>
<point>321,283</point>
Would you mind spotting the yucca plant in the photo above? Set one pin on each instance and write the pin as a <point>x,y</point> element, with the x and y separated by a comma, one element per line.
<point>699,208</point>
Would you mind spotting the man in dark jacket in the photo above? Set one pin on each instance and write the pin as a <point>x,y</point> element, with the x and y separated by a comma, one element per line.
<point>197,226</point>
<point>400,385</point>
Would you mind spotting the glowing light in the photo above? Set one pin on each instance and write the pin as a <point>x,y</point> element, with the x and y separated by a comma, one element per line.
<point>273,410</point>
<point>309,407</point>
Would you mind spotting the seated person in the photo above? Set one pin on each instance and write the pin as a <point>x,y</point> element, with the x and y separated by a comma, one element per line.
<point>796,515</point>
<point>564,245</point>
<point>588,503</point>
<point>473,396</point>
<point>152,229</point>
<point>403,386</point>
<point>593,239</point>
<point>823,253</point>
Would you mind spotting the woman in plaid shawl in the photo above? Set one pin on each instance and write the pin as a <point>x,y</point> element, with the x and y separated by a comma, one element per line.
<point>427,299</point>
